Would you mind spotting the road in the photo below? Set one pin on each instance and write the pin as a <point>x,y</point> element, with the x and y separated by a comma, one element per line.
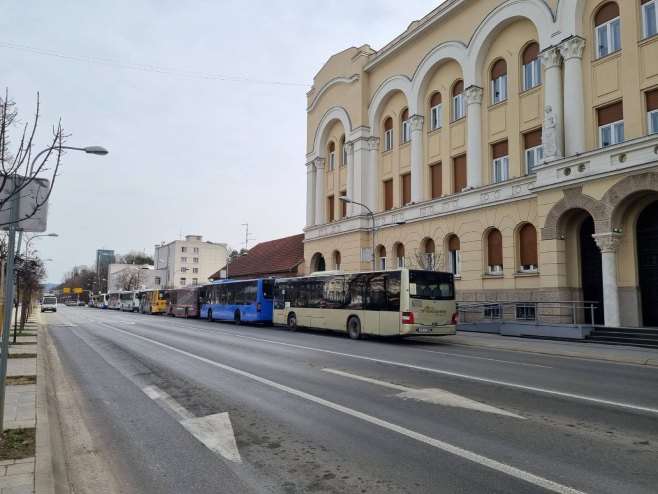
<point>174,405</point>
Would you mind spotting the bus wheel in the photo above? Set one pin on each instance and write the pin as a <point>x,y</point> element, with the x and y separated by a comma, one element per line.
<point>354,328</point>
<point>236,318</point>
<point>186,316</point>
<point>210,315</point>
<point>292,321</point>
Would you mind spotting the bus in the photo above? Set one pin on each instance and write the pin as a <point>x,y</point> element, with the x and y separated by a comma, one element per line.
<point>153,301</point>
<point>186,302</point>
<point>114,300</point>
<point>129,301</point>
<point>401,302</point>
<point>240,301</point>
<point>100,301</point>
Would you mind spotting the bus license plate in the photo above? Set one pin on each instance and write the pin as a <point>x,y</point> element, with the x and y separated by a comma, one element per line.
<point>424,330</point>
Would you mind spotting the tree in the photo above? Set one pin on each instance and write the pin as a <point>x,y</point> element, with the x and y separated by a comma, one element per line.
<point>234,254</point>
<point>420,260</point>
<point>30,274</point>
<point>130,279</point>
<point>134,257</point>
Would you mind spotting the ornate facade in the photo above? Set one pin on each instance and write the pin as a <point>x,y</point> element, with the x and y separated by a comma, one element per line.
<point>513,142</point>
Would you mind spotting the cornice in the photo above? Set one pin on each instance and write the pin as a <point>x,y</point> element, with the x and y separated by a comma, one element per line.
<point>326,86</point>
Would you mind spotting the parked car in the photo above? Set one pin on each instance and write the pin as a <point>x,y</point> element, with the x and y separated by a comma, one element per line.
<point>49,303</point>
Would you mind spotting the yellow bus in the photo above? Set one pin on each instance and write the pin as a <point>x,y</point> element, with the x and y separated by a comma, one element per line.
<point>402,302</point>
<point>153,301</point>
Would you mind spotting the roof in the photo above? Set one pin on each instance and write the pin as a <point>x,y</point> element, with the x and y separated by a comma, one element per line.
<point>282,256</point>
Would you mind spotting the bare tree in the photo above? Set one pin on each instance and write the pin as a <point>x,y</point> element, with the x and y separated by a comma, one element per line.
<point>425,261</point>
<point>30,274</point>
<point>130,279</point>
<point>19,173</point>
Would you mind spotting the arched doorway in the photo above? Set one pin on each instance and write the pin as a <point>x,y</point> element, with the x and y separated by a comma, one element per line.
<point>647,260</point>
<point>318,263</point>
<point>591,271</point>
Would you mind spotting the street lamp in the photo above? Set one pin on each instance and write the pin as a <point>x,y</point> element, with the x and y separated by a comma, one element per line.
<point>372,231</point>
<point>29,241</point>
<point>11,254</point>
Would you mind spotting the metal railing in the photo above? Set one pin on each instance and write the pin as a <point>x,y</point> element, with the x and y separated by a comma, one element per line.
<point>533,312</point>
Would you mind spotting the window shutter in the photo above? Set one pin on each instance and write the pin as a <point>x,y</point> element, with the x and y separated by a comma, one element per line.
<point>406,189</point>
<point>453,243</point>
<point>400,251</point>
<point>459,172</point>
<point>652,100</point>
<point>331,208</point>
<point>498,69</point>
<point>610,113</point>
<point>437,184</point>
<point>495,248</point>
<point>532,139</point>
<point>436,99</point>
<point>388,195</point>
<point>528,245</point>
<point>500,149</point>
<point>530,53</point>
<point>430,248</point>
<point>458,88</point>
<point>388,123</point>
<point>405,114</point>
<point>606,13</point>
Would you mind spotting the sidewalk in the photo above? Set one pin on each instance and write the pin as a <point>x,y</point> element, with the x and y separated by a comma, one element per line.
<point>25,406</point>
<point>592,351</point>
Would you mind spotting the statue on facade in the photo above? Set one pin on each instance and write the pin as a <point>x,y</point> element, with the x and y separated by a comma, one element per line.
<point>549,136</point>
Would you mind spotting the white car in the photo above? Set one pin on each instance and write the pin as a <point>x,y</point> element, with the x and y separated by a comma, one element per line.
<point>49,303</point>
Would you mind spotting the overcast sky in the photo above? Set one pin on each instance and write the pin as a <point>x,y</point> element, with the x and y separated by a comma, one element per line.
<point>188,155</point>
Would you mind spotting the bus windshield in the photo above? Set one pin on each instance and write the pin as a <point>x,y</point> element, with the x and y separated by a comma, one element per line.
<point>268,289</point>
<point>431,285</point>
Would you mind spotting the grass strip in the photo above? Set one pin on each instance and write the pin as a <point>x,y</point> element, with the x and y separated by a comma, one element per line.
<point>22,355</point>
<point>20,380</point>
<point>16,444</point>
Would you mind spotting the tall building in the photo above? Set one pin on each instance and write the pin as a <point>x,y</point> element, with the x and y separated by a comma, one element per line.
<point>189,262</point>
<point>104,258</point>
<point>512,142</point>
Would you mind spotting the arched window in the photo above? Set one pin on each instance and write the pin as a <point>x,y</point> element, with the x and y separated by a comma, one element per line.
<point>381,254</point>
<point>499,81</point>
<point>531,66</point>
<point>337,260</point>
<point>332,156</point>
<point>649,17</point>
<point>608,29</point>
<point>399,255</point>
<point>528,249</point>
<point>388,134</point>
<point>406,129</point>
<point>343,154</point>
<point>454,261</point>
<point>458,100</point>
<point>436,113</point>
<point>430,254</point>
<point>495,252</point>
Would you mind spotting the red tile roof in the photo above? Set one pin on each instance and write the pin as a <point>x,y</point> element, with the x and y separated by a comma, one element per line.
<point>278,257</point>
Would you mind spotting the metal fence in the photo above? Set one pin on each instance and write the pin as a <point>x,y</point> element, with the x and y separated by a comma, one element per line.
<point>558,312</point>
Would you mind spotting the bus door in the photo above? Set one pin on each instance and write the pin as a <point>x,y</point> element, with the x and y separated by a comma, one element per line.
<point>375,304</point>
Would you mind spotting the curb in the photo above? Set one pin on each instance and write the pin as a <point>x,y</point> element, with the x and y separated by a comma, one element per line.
<point>43,471</point>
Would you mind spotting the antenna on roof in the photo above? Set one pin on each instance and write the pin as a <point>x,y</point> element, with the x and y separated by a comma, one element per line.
<point>246,236</point>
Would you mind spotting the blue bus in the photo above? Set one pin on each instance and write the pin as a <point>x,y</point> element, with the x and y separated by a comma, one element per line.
<point>241,301</point>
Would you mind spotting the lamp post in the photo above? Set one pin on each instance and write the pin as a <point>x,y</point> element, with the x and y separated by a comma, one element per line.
<point>11,253</point>
<point>29,241</point>
<point>372,230</point>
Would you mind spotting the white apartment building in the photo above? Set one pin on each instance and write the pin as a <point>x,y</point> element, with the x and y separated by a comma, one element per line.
<point>190,261</point>
<point>138,276</point>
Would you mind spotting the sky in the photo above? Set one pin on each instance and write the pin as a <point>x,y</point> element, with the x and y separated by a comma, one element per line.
<point>197,154</point>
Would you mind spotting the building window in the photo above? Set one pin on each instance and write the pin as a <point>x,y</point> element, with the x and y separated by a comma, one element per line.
<point>526,312</point>
<point>500,162</point>
<point>399,255</point>
<point>388,195</point>
<point>330,208</point>
<point>183,281</point>
<point>495,252</point>
<point>183,259</point>
<point>652,111</point>
<point>343,153</point>
<point>436,176</point>
<point>382,257</point>
<point>459,173</point>
<point>332,156</point>
<point>343,205</point>
<point>430,254</point>
<point>183,270</point>
<point>406,189</point>
<point>195,281</point>
<point>458,101</point>
<point>608,30</point>
<point>195,260</point>
<point>436,113</point>
<point>195,270</point>
<point>650,17</point>
<point>388,134</point>
<point>337,260</point>
<point>493,311</point>
<point>528,249</point>
<point>157,280</point>
<point>406,129</point>
<point>454,263</point>
<point>534,151</point>
<point>611,124</point>
<point>499,82</point>
<point>531,67</point>
<point>195,250</point>
<point>183,249</point>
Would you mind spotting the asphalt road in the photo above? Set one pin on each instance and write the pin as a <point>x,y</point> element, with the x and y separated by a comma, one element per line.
<point>180,406</point>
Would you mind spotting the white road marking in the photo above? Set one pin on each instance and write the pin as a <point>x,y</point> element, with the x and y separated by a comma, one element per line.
<point>213,431</point>
<point>455,450</point>
<point>431,395</point>
<point>480,358</point>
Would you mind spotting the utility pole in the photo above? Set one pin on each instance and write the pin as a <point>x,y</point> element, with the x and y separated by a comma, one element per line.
<point>246,236</point>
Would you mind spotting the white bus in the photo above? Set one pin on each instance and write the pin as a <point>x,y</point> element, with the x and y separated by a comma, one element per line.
<point>114,300</point>
<point>403,302</point>
<point>100,301</point>
<point>129,301</point>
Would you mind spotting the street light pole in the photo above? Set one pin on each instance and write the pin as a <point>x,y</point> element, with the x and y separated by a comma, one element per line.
<point>372,231</point>
<point>11,254</point>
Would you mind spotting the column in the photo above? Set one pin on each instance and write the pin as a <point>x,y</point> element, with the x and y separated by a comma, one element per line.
<point>416,123</point>
<point>319,191</point>
<point>310,194</point>
<point>371,185</point>
<point>474,136</point>
<point>609,243</point>
<point>361,160</point>
<point>349,149</point>
<point>551,60</point>
<point>574,100</point>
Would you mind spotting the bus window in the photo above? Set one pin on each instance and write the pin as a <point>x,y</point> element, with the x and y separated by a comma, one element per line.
<point>393,292</point>
<point>268,288</point>
<point>431,285</point>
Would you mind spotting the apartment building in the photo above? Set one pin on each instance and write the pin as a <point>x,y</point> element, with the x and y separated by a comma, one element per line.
<point>512,142</point>
<point>190,261</point>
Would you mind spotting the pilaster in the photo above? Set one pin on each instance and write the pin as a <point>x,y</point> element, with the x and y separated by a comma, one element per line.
<point>310,194</point>
<point>416,123</point>
<point>371,186</point>
<point>319,191</point>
